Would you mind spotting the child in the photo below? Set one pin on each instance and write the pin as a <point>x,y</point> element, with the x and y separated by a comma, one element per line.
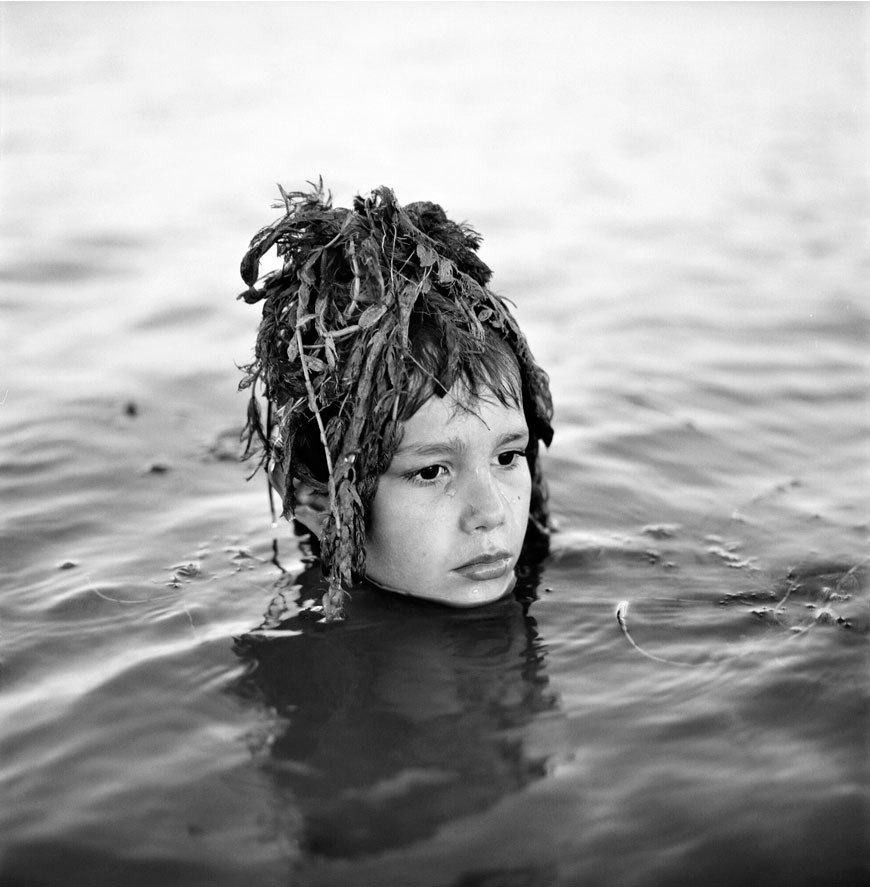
<point>404,408</point>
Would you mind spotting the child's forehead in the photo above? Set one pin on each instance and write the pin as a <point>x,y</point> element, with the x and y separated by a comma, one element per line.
<point>460,411</point>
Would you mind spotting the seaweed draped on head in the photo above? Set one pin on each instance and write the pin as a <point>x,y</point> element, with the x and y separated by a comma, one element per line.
<point>334,357</point>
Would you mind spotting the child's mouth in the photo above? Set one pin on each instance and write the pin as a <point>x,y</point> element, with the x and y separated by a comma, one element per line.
<point>489,566</point>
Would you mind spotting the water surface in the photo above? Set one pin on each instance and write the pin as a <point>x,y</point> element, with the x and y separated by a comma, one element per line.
<point>675,197</point>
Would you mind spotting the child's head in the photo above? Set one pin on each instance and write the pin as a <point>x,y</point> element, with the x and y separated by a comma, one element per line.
<point>402,397</point>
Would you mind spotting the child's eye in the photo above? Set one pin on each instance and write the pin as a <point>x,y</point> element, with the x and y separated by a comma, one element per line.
<point>428,474</point>
<point>511,458</point>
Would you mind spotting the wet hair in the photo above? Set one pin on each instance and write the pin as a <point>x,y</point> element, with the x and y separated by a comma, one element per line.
<point>375,310</point>
<point>492,370</point>
<point>492,373</point>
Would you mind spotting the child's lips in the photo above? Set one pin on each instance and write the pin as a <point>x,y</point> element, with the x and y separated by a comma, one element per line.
<point>486,566</point>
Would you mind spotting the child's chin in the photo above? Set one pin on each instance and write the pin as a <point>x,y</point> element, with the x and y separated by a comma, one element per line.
<point>473,595</point>
<point>482,593</point>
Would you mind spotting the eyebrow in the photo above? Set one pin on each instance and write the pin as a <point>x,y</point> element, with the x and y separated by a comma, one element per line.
<point>454,445</point>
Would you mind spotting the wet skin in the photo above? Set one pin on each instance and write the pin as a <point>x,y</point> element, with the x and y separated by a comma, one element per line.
<point>449,516</point>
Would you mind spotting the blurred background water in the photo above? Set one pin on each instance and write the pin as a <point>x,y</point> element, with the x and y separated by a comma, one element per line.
<point>675,197</point>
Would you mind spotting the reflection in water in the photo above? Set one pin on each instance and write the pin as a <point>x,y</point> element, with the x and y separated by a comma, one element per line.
<point>405,717</point>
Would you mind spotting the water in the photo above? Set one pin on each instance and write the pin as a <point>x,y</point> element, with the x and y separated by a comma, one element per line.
<point>676,199</point>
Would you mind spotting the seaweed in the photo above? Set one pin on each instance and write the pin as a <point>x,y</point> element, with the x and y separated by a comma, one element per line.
<point>333,349</point>
<point>622,619</point>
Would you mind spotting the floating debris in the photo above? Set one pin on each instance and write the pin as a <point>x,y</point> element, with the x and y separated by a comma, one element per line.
<point>661,531</point>
<point>731,559</point>
<point>811,595</point>
<point>188,570</point>
<point>769,614</point>
<point>622,619</point>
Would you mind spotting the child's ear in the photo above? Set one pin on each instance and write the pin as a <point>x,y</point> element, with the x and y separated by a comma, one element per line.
<point>311,507</point>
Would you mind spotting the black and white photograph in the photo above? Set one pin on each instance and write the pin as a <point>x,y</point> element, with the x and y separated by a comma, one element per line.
<point>434,444</point>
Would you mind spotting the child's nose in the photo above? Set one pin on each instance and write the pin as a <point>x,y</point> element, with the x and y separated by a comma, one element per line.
<point>484,505</point>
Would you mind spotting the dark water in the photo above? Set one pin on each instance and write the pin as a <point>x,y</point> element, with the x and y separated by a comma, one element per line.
<point>676,199</point>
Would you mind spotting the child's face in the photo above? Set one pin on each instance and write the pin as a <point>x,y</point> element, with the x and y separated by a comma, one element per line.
<point>449,516</point>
